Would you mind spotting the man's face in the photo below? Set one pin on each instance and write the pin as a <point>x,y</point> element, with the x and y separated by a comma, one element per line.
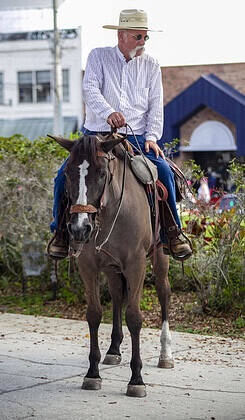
<point>133,46</point>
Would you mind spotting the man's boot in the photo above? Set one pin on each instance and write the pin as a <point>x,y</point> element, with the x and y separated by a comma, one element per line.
<point>179,249</point>
<point>58,245</point>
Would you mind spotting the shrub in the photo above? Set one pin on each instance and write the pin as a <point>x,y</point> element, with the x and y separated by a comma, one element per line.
<point>216,269</point>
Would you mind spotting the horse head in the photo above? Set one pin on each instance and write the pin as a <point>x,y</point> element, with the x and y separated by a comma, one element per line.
<point>87,174</point>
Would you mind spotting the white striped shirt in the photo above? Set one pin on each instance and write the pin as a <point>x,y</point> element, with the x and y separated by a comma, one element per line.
<point>134,88</point>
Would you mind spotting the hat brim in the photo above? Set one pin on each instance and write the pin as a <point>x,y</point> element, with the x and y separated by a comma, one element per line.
<point>131,27</point>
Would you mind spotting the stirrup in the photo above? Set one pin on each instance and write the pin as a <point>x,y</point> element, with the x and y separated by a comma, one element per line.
<point>182,257</point>
<point>56,254</point>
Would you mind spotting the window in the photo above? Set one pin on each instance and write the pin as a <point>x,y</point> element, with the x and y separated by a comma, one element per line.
<point>43,86</point>
<point>65,85</point>
<point>25,86</point>
<point>1,88</point>
<point>34,86</point>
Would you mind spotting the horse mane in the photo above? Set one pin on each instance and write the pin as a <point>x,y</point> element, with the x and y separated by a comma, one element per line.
<point>85,146</point>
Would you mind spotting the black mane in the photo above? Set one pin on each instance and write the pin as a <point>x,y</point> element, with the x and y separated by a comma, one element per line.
<point>86,147</point>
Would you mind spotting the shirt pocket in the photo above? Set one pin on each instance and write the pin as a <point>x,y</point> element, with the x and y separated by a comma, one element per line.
<point>140,98</point>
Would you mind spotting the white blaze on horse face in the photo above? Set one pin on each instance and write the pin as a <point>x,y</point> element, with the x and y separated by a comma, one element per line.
<point>165,339</point>
<point>82,196</point>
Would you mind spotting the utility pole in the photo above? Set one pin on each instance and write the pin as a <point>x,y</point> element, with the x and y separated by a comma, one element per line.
<point>58,126</point>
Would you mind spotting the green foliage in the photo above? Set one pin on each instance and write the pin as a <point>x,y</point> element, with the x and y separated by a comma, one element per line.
<point>149,298</point>
<point>30,153</point>
<point>215,272</point>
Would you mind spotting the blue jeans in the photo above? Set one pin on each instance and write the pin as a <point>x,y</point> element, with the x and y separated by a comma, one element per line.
<point>165,175</point>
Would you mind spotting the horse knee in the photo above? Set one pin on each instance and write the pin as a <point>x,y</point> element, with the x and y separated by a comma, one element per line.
<point>94,316</point>
<point>133,319</point>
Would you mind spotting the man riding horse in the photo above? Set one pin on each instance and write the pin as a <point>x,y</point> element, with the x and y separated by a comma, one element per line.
<point>123,85</point>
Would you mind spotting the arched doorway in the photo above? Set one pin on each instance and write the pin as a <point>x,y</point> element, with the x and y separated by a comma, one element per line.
<point>212,146</point>
<point>212,136</point>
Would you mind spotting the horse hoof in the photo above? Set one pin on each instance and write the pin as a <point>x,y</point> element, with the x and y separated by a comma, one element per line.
<point>136,391</point>
<point>92,384</point>
<point>112,359</point>
<point>166,363</point>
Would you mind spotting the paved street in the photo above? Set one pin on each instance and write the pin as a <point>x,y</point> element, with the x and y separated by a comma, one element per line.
<point>43,361</point>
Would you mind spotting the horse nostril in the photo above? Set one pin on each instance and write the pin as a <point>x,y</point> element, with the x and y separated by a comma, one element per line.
<point>80,233</point>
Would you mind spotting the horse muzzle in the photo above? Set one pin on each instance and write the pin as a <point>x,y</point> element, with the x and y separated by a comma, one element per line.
<point>79,232</point>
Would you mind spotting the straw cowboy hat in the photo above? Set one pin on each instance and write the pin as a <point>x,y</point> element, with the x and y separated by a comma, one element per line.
<point>132,19</point>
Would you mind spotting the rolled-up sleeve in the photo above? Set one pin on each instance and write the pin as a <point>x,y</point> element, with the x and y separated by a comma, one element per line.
<point>92,84</point>
<point>154,125</point>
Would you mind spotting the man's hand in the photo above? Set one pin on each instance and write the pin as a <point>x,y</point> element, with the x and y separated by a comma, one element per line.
<point>116,120</point>
<point>149,144</point>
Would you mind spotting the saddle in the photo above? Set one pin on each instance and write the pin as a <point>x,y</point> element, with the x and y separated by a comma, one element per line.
<point>146,172</point>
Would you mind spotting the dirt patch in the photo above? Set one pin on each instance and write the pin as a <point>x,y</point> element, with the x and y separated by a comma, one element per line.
<point>185,315</point>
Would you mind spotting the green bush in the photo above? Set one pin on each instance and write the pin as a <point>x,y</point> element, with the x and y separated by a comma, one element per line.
<point>215,271</point>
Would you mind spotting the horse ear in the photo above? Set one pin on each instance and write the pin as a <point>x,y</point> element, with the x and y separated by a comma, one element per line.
<point>67,144</point>
<point>108,145</point>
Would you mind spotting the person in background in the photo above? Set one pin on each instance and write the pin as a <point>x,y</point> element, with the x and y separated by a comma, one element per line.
<point>203,192</point>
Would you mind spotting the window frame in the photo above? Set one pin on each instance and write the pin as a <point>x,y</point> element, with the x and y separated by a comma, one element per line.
<point>1,88</point>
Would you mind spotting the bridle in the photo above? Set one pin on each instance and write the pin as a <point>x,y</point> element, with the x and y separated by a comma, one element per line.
<point>91,209</point>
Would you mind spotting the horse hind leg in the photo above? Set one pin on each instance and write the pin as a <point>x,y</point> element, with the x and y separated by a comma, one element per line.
<point>117,289</point>
<point>164,292</point>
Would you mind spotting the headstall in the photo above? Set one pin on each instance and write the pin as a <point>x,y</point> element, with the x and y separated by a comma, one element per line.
<point>89,208</point>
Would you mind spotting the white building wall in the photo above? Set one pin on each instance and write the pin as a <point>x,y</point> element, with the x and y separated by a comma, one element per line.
<point>35,55</point>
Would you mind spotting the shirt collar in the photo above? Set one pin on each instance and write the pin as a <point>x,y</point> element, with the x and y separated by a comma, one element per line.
<point>120,54</point>
<point>122,58</point>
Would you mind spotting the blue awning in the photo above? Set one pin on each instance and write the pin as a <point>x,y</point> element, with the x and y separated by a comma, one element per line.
<point>32,128</point>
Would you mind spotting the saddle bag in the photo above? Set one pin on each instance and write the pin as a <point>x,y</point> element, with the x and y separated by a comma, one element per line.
<point>143,169</point>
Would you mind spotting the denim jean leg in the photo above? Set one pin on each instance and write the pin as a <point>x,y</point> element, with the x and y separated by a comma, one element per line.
<point>166,176</point>
<point>59,185</point>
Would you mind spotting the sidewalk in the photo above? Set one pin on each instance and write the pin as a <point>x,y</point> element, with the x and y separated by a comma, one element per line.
<point>43,361</point>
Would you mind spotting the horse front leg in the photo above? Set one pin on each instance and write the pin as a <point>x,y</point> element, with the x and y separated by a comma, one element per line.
<point>92,380</point>
<point>133,316</point>
<point>116,284</point>
<point>164,292</point>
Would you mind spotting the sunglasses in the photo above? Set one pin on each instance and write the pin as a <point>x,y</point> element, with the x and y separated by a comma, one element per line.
<point>139,37</point>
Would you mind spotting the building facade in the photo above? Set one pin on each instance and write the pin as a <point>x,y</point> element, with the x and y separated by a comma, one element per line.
<point>27,82</point>
<point>205,110</point>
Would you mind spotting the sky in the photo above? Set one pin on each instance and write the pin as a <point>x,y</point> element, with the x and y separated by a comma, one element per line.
<point>194,31</point>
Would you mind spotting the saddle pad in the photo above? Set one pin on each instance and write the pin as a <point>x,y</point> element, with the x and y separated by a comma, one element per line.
<point>144,169</point>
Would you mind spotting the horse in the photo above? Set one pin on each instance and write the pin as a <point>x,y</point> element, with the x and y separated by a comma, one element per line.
<point>110,231</point>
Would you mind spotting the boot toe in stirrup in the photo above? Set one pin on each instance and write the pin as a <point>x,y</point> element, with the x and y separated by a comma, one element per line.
<point>57,249</point>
